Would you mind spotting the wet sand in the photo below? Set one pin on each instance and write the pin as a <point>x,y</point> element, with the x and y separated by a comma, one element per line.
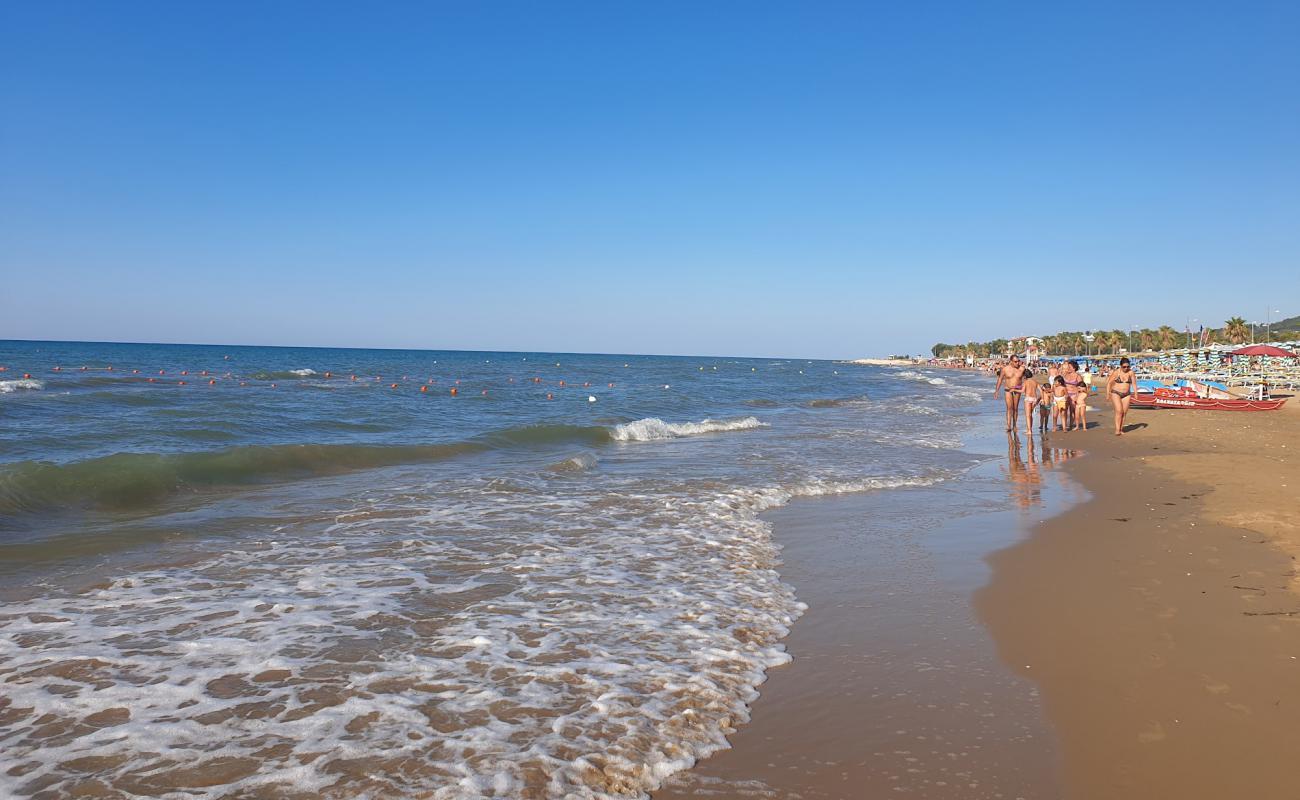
<point>896,687</point>
<point>1160,620</point>
<point>1144,643</point>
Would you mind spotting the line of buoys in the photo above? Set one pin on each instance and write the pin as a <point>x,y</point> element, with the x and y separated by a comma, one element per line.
<point>180,383</point>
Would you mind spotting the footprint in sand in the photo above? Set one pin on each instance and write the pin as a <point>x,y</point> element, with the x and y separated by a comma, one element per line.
<point>1238,707</point>
<point>1155,732</point>
<point>1215,687</point>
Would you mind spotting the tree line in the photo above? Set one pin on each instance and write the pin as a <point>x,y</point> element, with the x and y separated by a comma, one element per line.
<point>1234,331</point>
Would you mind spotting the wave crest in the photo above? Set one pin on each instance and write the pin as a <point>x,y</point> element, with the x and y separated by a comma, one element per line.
<point>20,385</point>
<point>654,429</point>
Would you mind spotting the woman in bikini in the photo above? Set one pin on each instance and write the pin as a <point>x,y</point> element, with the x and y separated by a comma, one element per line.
<point>1119,388</point>
<point>1078,393</point>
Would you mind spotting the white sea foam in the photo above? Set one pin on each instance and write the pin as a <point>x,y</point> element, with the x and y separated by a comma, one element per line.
<point>653,428</point>
<point>20,385</point>
<point>509,641</point>
<point>303,372</point>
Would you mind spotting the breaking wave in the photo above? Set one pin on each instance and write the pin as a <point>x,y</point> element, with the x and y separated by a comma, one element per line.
<point>653,428</point>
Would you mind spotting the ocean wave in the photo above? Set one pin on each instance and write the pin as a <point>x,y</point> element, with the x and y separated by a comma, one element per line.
<point>837,402</point>
<point>125,481</point>
<point>653,428</point>
<point>22,384</point>
<point>579,463</point>
<point>591,643</point>
<point>282,375</point>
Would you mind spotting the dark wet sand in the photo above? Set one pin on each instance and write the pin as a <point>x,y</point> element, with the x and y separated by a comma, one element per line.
<point>895,688</point>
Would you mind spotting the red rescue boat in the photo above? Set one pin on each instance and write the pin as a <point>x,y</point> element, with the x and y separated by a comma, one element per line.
<point>1186,397</point>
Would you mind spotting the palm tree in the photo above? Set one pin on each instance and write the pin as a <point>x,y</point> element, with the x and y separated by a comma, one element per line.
<point>1147,338</point>
<point>1101,342</point>
<point>1166,337</point>
<point>1235,329</point>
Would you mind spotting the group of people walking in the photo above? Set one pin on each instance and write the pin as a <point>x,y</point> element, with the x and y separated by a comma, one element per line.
<point>1060,394</point>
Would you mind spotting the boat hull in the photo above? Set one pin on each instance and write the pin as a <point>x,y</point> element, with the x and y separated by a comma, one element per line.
<point>1148,400</point>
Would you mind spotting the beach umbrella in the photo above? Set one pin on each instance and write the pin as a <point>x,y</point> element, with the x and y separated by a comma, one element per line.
<point>1263,350</point>
<point>1267,350</point>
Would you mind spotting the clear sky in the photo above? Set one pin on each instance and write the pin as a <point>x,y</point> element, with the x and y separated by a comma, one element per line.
<point>739,178</point>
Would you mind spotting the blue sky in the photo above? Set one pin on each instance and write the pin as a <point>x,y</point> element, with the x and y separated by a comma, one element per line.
<point>748,178</point>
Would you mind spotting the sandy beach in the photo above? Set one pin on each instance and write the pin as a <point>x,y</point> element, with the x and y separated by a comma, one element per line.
<point>1140,630</point>
<point>1160,619</point>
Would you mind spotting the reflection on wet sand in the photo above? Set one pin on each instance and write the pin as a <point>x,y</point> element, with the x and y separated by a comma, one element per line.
<point>1026,473</point>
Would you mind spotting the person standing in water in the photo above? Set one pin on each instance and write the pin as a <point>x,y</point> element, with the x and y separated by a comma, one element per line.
<point>1119,388</point>
<point>1013,375</point>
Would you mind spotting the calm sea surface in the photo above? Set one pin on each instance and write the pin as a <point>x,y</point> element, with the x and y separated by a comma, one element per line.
<point>278,572</point>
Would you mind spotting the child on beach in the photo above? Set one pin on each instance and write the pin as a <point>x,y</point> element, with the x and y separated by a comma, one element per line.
<point>1032,393</point>
<point>1060,401</point>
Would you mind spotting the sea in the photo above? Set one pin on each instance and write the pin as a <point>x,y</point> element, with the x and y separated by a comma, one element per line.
<point>340,573</point>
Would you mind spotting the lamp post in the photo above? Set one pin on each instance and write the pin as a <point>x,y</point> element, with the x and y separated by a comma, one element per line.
<point>1190,320</point>
<point>1252,332</point>
<point>1268,325</point>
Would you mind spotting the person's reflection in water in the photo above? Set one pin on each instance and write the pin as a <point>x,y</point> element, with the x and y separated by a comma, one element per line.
<point>1026,481</point>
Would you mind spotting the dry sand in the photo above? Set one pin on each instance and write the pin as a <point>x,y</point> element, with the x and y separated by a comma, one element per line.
<point>1159,620</point>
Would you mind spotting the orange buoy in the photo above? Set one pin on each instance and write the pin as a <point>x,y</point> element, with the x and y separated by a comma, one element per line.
<point>392,386</point>
<point>485,392</point>
<point>329,374</point>
<point>354,377</point>
<point>424,388</point>
<point>454,391</point>
<point>561,383</point>
<point>185,372</point>
<point>537,380</point>
<point>27,375</point>
<point>212,382</point>
<point>180,383</point>
<point>550,396</point>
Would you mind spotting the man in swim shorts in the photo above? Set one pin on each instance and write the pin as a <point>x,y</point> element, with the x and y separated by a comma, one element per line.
<point>1013,375</point>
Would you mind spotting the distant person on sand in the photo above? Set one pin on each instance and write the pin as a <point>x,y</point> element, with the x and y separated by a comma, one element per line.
<point>1060,403</point>
<point>1077,389</point>
<point>1012,374</point>
<point>1119,388</point>
<point>1032,392</point>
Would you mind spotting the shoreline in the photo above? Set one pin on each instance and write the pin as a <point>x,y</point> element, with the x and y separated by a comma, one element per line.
<point>1159,618</point>
<point>1145,630</point>
<point>895,685</point>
